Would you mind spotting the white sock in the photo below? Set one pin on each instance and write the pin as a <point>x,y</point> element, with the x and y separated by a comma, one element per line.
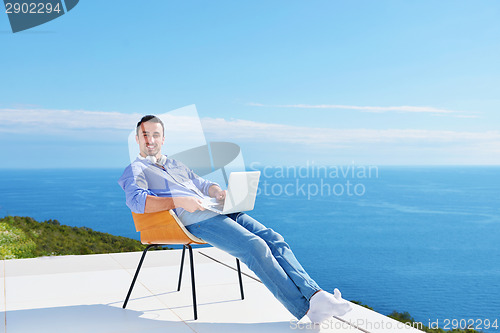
<point>324,305</point>
<point>337,294</point>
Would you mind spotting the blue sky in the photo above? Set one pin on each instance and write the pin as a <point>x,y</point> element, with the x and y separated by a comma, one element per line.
<point>334,82</point>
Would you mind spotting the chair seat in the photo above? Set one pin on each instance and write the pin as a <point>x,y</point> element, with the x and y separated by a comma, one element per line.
<point>169,234</point>
<point>163,228</point>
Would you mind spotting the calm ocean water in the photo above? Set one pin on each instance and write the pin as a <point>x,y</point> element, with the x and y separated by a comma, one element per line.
<point>417,239</point>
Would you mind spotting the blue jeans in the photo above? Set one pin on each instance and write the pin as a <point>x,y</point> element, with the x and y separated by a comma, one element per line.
<point>263,250</point>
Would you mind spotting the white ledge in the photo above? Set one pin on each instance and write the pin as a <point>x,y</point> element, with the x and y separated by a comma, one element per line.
<point>86,293</point>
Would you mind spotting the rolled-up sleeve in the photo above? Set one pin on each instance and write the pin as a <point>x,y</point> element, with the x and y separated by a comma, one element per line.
<point>134,183</point>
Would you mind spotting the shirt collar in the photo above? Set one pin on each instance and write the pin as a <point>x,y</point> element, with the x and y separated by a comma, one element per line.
<point>144,159</point>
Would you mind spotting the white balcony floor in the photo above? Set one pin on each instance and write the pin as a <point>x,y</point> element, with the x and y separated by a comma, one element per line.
<point>86,293</point>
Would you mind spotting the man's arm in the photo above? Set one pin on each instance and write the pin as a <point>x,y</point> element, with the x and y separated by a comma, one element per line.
<point>141,200</point>
<point>157,204</point>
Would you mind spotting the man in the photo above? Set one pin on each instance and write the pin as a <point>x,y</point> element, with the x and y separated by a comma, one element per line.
<point>154,183</point>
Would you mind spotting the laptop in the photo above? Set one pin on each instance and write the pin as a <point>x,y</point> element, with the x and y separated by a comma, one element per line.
<point>240,196</point>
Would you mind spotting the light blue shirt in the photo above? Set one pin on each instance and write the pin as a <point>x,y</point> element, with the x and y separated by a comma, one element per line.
<point>142,178</point>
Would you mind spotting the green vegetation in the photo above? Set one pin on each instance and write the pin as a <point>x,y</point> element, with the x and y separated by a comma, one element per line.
<point>406,318</point>
<point>363,305</point>
<point>23,237</point>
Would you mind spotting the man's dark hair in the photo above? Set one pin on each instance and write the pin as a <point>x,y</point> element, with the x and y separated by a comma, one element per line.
<point>151,118</point>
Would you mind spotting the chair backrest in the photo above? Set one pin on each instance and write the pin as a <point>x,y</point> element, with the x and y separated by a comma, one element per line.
<point>163,228</point>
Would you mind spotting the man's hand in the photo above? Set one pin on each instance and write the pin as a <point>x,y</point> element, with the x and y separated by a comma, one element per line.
<point>191,204</point>
<point>221,195</point>
<point>215,192</point>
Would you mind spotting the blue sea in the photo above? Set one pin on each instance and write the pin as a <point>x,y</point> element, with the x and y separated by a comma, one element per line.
<point>418,239</point>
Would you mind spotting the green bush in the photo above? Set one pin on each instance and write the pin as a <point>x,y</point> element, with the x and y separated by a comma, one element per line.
<point>23,237</point>
<point>14,243</point>
<point>361,304</point>
<point>405,317</point>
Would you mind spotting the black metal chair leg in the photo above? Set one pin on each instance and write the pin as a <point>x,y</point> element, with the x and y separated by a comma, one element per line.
<point>136,274</point>
<point>182,266</point>
<point>193,284</point>
<point>193,288</point>
<point>239,278</point>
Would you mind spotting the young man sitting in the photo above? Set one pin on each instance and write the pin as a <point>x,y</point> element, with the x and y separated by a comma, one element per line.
<point>153,183</point>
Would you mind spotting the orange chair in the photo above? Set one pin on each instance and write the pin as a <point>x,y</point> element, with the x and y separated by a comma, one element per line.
<point>164,228</point>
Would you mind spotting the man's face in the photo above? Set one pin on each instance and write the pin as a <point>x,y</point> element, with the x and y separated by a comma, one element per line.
<point>150,139</point>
